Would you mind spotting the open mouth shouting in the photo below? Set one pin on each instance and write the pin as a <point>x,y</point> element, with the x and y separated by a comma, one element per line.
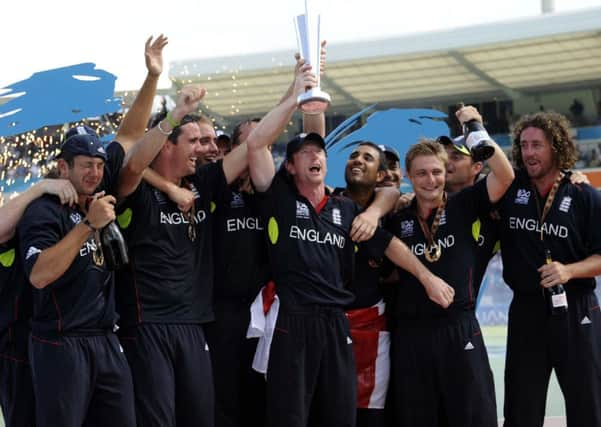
<point>315,168</point>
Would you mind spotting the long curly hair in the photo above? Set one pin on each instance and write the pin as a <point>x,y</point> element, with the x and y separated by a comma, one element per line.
<point>556,129</point>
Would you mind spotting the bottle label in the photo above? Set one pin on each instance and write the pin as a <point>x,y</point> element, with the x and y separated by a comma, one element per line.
<point>475,138</point>
<point>559,300</point>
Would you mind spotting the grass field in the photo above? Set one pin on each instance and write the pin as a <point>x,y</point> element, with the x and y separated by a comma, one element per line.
<point>495,338</point>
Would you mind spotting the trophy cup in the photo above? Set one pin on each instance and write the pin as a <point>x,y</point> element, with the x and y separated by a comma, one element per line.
<point>314,100</point>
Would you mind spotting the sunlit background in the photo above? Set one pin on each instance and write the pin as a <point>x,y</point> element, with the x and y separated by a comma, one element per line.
<point>506,57</point>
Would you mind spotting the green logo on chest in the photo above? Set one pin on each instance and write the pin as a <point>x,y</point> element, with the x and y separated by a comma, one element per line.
<point>7,258</point>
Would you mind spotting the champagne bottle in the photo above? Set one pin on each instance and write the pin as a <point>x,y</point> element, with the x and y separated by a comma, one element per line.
<point>114,248</point>
<point>476,139</point>
<point>556,295</point>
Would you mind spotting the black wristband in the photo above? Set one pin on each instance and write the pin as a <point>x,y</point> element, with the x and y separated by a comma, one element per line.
<point>90,226</point>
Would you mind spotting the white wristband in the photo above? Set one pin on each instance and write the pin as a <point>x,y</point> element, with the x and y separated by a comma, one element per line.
<point>166,133</point>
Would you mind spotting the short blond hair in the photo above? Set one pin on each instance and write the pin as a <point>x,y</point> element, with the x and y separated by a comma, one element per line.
<point>426,147</point>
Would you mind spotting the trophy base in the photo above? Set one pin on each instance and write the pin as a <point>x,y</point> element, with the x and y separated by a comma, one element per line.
<point>313,101</point>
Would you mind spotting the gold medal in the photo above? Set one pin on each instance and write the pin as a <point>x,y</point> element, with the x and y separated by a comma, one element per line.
<point>191,216</point>
<point>433,253</point>
<point>191,231</point>
<point>97,255</point>
<point>98,258</point>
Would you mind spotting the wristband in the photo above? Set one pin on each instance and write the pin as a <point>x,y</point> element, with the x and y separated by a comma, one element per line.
<point>89,225</point>
<point>475,138</point>
<point>174,123</point>
<point>164,132</point>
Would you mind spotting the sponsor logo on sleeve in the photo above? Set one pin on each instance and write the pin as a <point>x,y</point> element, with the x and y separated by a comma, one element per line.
<point>302,210</point>
<point>523,197</point>
<point>407,228</point>
<point>75,217</point>
<point>237,200</point>
<point>159,196</point>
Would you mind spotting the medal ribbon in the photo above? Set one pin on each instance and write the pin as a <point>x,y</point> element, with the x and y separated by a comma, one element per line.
<point>191,215</point>
<point>429,233</point>
<point>548,203</point>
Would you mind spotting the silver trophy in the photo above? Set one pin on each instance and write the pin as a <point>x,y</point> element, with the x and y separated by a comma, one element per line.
<point>314,100</point>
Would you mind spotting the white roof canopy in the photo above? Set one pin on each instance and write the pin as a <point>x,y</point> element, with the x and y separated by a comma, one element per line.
<point>504,59</point>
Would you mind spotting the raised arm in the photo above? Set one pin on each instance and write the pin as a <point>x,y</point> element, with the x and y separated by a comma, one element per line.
<point>315,123</point>
<point>312,123</point>
<point>134,123</point>
<point>146,149</point>
<point>501,172</point>
<point>260,161</point>
<point>235,162</point>
<point>12,211</point>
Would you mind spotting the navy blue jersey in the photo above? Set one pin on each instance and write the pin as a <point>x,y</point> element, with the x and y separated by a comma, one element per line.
<point>571,231</point>
<point>112,168</point>
<point>241,264</point>
<point>458,261</point>
<point>365,283</point>
<point>170,277</point>
<point>81,301</point>
<point>311,253</point>
<point>15,294</point>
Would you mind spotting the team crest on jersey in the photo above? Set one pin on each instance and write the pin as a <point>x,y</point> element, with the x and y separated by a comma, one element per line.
<point>336,216</point>
<point>75,217</point>
<point>302,211</point>
<point>237,200</point>
<point>564,206</point>
<point>523,197</point>
<point>407,228</point>
<point>443,217</point>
